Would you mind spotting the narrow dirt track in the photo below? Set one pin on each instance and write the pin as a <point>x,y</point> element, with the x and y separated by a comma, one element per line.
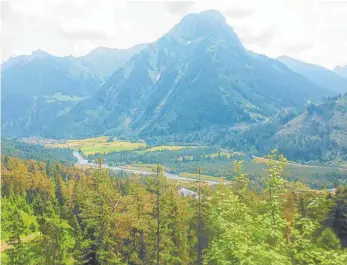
<point>5,246</point>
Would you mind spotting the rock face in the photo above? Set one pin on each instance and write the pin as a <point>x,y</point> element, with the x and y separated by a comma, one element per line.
<point>197,77</point>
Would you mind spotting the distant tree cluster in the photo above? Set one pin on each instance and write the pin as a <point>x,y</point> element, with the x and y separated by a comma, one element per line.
<point>36,152</point>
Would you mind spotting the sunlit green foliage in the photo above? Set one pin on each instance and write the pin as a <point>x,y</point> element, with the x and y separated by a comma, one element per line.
<point>59,215</point>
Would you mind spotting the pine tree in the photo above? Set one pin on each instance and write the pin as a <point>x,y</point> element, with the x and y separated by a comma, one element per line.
<point>17,252</point>
<point>328,240</point>
<point>338,215</point>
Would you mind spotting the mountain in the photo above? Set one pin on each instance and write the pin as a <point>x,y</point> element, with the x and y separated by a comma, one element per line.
<point>317,74</point>
<point>104,61</point>
<point>341,70</point>
<point>39,87</point>
<point>320,133</point>
<point>197,77</point>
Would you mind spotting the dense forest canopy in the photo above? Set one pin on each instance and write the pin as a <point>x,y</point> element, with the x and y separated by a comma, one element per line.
<point>53,214</point>
<point>16,148</point>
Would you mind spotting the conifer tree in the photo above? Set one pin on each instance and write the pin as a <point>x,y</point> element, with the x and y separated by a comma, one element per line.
<point>17,252</point>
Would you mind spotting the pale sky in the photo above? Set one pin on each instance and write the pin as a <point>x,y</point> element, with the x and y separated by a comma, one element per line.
<point>312,31</point>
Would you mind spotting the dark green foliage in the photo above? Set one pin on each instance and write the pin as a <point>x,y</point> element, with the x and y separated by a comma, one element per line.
<point>316,135</point>
<point>338,216</point>
<point>328,239</point>
<point>17,253</point>
<point>22,150</point>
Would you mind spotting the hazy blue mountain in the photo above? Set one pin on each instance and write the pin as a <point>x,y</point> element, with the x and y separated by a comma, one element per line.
<point>105,61</point>
<point>341,70</point>
<point>197,77</point>
<point>317,74</point>
<point>39,87</point>
<point>41,72</point>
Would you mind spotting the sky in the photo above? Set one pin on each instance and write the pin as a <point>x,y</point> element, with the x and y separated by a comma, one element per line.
<point>314,31</point>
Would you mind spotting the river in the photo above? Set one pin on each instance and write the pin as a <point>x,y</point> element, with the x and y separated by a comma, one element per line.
<point>83,161</point>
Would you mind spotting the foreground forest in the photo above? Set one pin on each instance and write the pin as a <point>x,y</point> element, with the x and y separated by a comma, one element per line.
<point>53,214</point>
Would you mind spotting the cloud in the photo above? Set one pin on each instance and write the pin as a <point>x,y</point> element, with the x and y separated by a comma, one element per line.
<point>6,10</point>
<point>313,31</point>
<point>70,9</point>
<point>179,7</point>
<point>263,39</point>
<point>83,34</point>
<point>238,12</point>
<point>297,47</point>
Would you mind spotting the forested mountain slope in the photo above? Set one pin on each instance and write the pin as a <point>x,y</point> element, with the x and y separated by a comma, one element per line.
<point>14,148</point>
<point>197,77</point>
<point>320,133</point>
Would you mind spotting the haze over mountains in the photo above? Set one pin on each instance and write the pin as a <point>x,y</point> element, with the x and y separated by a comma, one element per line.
<point>317,74</point>
<point>341,70</point>
<point>197,78</point>
<point>40,87</point>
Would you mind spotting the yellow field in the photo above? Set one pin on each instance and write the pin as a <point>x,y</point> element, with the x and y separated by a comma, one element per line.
<point>202,177</point>
<point>165,147</point>
<point>143,167</point>
<point>226,154</point>
<point>259,160</point>
<point>99,145</point>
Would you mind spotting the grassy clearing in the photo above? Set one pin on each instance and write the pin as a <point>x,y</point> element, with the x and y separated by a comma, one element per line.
<point>99,145</point>
<point>144,167</point>
<point>262,160</point>
<point>195,176</point>
<point>225,154</point>
<point>165,148</point>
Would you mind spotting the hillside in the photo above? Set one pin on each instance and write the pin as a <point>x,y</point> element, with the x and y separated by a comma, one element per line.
<point>197,77</point>
<point>317,74</point>
<point>104,61</point>
<point>320,133</point>
<point>39,87</point>
<point>14,148</point>
<point>341,70</point>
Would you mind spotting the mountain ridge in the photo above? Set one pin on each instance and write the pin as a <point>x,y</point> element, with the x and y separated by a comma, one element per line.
<point>317,74</point>
<point>196,76</point>
<point>38,87</point>
<point>341,70</point>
